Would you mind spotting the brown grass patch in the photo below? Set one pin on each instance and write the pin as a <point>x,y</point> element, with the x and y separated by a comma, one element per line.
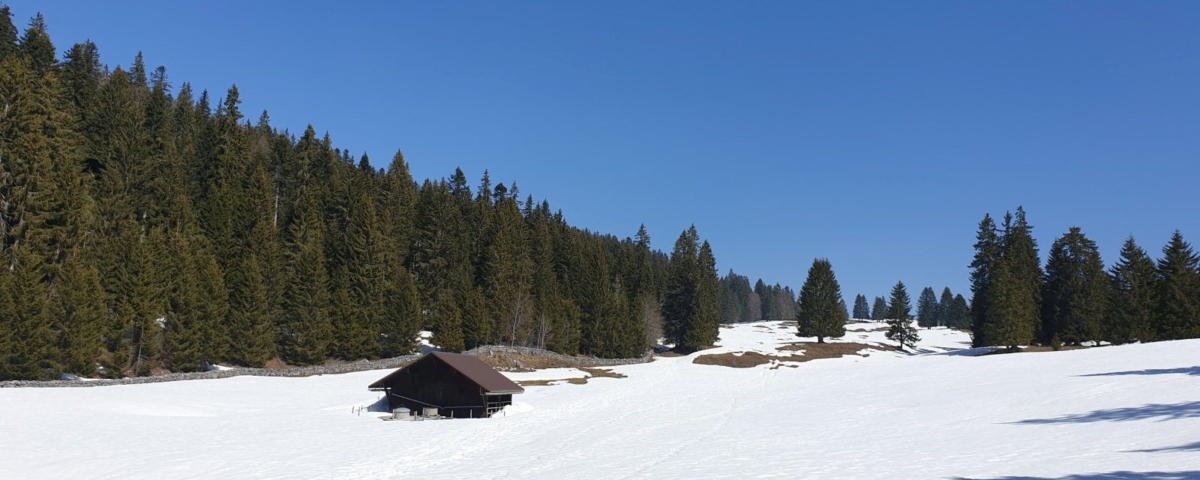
<point>592,373</point>
<point>737,360</point>
<point>814,351</point>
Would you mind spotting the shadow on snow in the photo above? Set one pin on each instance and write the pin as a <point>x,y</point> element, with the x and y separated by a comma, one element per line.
<point>1159,411</point>
<point>1193,474</point>
<point>1191,447</point>
<point>1153,371</point>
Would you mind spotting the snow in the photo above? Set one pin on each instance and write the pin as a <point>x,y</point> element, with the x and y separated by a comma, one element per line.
<point>1123,411</point>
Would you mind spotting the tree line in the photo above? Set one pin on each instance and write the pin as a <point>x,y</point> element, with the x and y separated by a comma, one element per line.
<point>739,303</point>
<point>1073,299</point>
<point>147,228</point>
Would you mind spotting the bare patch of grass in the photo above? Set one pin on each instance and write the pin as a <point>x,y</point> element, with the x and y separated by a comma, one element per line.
<point>738,359</point>
<point>592,373</point>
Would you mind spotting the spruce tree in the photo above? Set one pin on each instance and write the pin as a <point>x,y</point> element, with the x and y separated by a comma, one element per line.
<point>705,327</point>
<point>1178,313</point>
<point>679,304</point>
<point>960,314</point>
<point>1132,303</point>
<point>945,311</point>
<point>927,308</point>
<point>1075,292</point>
<point>821,314</point>
<point>862,310</point>
<point>879,310</point>
<point>8,33</point>
<point>1021,254</point>
<point>35,45</point>
<point>307,327</point>
<point>983,270</point>
<point>899,320</point>
<point>1007,305</point>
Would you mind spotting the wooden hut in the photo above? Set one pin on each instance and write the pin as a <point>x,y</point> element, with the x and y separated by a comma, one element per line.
<point>459,386</point>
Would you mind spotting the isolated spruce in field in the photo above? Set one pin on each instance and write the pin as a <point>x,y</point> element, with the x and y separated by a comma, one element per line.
<point>822,313</point>
<point>900,327</point>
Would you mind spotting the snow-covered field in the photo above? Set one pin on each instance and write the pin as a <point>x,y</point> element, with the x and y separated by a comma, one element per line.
<point>1129,412</point>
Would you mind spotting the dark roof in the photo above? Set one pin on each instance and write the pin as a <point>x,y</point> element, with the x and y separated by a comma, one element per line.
<point>471,367</point>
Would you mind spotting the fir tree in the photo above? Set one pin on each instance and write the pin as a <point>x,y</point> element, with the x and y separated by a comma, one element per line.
<point>983,270</point>
<point>927,308</point>
<point>899,323</point>
<point>1131,305</point>
<point>945,310</point>
<point>1021,255</point>
<point>862,310</point>
<point>307,327</point>
<point>679,305</point>
<point>821,310</point>
<point>879,310</point>
<point>1075,291</point>
<point>8,33</point>
<point>1178,313</point>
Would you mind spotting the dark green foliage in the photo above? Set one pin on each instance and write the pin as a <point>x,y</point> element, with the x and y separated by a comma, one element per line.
<point>1006,283</point>
<point>1178,314</point>
<point>144,229</point>
<point>879,310</point>
<point>983,270</point>
<point>822,312</point>
<point>1131,306</point>
<point>960,313</point>
<point>8,33</point>
<point>899,319</point>
<point>945,310</point>
<point>862,310</point>
<point>691,310</point>
<point>1075,295</point>
<point>927,308</point>
<point>736,298</point>
<point>36,47</point>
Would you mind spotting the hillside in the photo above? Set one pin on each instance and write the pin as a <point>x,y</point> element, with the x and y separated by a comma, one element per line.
<point>1113,412</point>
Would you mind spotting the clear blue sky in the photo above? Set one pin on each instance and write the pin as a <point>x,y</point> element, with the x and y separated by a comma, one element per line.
<point>876,134</point>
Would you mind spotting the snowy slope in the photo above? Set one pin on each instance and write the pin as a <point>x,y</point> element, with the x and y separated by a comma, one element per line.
<point>1123,409</point>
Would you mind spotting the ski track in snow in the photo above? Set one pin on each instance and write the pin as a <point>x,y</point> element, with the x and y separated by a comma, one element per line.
<point>1118,411</point>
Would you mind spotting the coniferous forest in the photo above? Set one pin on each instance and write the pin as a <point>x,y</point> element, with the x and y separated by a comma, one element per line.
<point>149,227</point>
<point>1073,300</point>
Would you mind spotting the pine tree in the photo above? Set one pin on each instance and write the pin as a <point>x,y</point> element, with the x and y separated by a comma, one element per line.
<point>250,331</point>
<point>1178,313</point>
<point>927,308</point>
<point>899,323</point>
<point>1075,291</point>
<point>879,310</point>
<point>862,310</point>
<point>1131,305</point>
<point>821,311</point>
